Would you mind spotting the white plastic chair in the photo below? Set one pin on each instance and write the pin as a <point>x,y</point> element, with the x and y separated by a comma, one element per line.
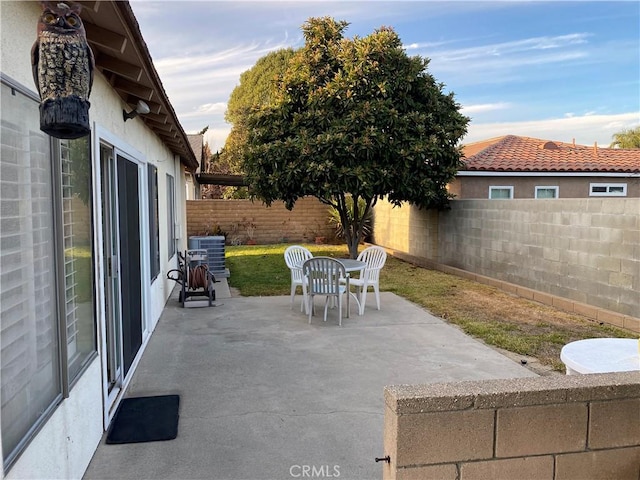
<point>375,258</point>
<point>294,257</point>
<point>324,275</point>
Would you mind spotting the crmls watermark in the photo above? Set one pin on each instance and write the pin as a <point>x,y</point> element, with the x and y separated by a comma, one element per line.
<point>314,471</point>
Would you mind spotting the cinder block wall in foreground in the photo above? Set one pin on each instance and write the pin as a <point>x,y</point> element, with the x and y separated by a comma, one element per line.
<point>548,428</point>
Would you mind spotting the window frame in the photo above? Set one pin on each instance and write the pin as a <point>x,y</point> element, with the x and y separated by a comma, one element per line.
<point>59,323</point>
<point>608,187</point>
<point>501,187</point>
<point>556,189</point>
<point>70,380</point>
<point>154,222</point>
<point>171,215</point>
<point>13,452</point>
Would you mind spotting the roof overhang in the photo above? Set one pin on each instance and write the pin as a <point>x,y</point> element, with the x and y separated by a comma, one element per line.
<point>485,173</point>
<point>220,179</point>
<point>123,58</point>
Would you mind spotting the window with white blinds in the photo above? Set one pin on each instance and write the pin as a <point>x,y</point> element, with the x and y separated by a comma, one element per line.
<point>497,193</point>
<point>46,269</point>
<point>546,192</point>
<point>608,189</point>
<point>30,361</point>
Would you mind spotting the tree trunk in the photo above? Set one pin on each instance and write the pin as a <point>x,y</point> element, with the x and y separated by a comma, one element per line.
<point>353,235</point>
<point>353,247</point>
<point>352,223</point>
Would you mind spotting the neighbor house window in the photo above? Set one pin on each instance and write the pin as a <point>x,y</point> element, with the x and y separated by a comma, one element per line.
<point>154,221</point>
<point>171,215</point>
<point>608,189</point>
<point>496,193</point>
<point>47,326</point>
<point>546,192</point>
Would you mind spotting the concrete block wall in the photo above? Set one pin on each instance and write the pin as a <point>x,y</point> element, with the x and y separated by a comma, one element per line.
<point>582,255</point>
<point>275,224</point>
<point>586,250</point>
<point>406,229</point>
<point>547,428</point>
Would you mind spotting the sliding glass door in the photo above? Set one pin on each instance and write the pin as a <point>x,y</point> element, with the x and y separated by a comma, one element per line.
<point>123,312</point>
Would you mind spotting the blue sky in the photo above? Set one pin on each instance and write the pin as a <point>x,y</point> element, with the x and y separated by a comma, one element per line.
<point>553,70</point>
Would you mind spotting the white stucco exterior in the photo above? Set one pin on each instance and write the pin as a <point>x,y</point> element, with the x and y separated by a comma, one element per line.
<point>65,445</point>
<point>66,442</point>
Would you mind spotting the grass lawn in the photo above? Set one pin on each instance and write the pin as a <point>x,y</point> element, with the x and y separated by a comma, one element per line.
<point>498,318</point>
<point>81,257</point>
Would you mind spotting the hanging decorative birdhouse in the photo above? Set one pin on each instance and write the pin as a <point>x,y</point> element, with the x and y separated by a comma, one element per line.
<point>63,65</point>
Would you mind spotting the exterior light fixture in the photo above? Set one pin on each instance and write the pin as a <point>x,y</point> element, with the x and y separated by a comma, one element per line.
<point>141,109</point>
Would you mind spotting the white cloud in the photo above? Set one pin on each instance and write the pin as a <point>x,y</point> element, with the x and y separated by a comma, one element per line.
<point>216,137</point>
<point>505,61</point>
<point>241,54</point>
<point>201,111</point>
<point>586,129</point>
<point>418,46</point>
<point>484,107</point>
<point>515,48</point>
<point>219,107</point>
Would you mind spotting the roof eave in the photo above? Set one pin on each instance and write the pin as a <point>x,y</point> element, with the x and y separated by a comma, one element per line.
<point>117,61</point>
<point>532,173</point>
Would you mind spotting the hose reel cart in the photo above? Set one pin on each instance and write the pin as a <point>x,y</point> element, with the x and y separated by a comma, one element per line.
<point>195,279</point>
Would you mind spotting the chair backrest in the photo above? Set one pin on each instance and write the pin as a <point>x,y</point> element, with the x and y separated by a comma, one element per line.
<point>294,257</point>
<point>375,258</point>
<point>323,275</point>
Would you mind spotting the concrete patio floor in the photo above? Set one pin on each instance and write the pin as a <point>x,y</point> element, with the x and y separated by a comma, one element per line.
<point>265,395</point>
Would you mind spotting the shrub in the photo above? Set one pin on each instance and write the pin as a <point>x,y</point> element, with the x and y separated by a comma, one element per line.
<point>336,223</point>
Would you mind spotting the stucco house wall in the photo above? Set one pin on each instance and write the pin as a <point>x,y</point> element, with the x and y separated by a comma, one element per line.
<point>524,186</point>
<point>64,444</point>
<point>525,163</point>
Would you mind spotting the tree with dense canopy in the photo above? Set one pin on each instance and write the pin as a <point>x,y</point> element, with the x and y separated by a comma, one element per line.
<point>257,88</point>
<point>626,138</point>
<point>354,118</point>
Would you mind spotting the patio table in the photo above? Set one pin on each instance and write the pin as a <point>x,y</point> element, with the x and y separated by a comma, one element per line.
<point>351,265</point>
<point>601,355</point>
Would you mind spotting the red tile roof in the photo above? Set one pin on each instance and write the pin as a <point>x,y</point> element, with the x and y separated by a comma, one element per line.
<point>524,154</point>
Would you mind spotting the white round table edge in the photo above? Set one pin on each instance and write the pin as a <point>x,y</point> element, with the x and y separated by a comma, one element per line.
<point>601,355</point>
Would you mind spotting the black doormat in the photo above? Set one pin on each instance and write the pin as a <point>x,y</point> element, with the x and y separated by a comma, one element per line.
<point>145,419</point>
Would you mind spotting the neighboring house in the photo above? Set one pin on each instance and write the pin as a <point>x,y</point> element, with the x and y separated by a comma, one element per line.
<point>89,229</point>
<point>523,167</point>
<point>196,140</point>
